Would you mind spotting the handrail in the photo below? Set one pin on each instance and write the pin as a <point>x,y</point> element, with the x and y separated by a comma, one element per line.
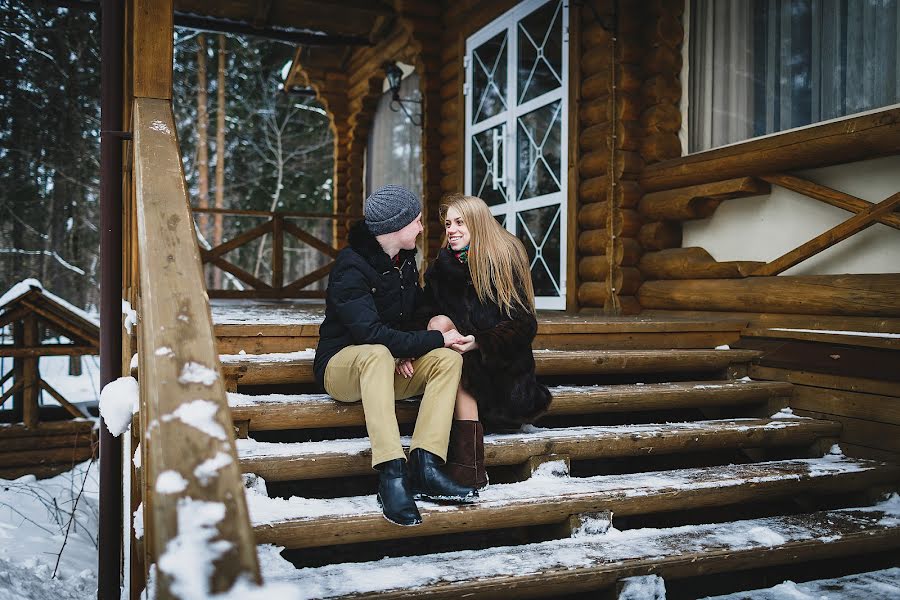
<point>193,495</point>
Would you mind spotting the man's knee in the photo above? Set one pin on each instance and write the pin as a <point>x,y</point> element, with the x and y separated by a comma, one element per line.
<point>441,323</point>
<point>377,356</point>
<point>447,358</point>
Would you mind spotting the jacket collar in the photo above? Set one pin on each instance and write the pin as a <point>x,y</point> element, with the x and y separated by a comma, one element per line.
<point>449,267</point>
<point>366,245</point>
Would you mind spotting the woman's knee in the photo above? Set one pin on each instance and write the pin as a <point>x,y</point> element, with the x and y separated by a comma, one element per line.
<point>441,323</point>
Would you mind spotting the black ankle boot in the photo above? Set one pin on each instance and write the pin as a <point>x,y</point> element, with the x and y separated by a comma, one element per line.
<point>428,481</point>
<point>394,494</point>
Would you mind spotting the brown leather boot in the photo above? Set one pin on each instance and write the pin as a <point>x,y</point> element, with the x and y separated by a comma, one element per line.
<point>465,454</point>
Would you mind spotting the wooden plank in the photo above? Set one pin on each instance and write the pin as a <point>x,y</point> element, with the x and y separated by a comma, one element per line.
<point>278,252</point>
<point>842,338</point>
<point>883,436</point>
<point>30,374</point>
<point>548,362</point>
<point>576,443</point>
<point>852,295</point>
<point>187,374</point>
<point>692,263</point>
<point>319,411</point>
<point>18,385</point>
<point>68,440</point>
<point>837,142</point>
<point>48,350</point>
<point>152,33</point>
<point>45,428</point>
<point>833,359</point>
<point>49,456</point>
<point>623,495</point>
<point>824,380</point>
<point>825,194</point>
<point>862,220</point>
<point>869,407</point>
<point>545,570</point>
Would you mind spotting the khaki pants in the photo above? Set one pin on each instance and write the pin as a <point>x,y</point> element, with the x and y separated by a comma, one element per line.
<point>367,373</point>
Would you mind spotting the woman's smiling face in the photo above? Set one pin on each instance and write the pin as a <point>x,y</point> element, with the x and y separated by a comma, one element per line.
<point>457,231</point>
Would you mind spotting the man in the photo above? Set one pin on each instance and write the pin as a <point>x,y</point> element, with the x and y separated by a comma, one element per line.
<point>373,292</point>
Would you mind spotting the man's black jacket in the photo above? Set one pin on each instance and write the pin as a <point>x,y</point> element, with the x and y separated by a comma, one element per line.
<point>370,300</point>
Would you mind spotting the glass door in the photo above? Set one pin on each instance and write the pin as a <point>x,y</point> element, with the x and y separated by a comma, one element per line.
<point>517,130</point>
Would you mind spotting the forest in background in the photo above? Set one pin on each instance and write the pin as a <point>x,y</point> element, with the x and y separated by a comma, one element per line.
<point>276,150</point>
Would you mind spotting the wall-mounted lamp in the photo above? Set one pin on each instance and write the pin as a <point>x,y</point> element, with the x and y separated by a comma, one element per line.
<point>394,77</point>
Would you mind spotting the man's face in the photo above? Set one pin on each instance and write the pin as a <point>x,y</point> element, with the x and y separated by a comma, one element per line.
<point>408,234</point>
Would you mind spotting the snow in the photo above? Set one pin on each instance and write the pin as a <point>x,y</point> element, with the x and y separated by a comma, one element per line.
<point>170,482</point>
<point>194,372</point>
<point>611,548</point>
<point>261,312</point>
<point>265,510</point>
<point>723,347</point>
<point>201,415</point>
<point>308,354</point>
<point>189,556</point>
<point>77,389</point>
<point>840,332</point>
<point>119,401</point>
<point>784,413</point>
<point>34,515</point>
<point>643,587</point>
<point>875,585</point>
<point>209,469</point>
<point>130,316</point>
<point>235,399</point>
<point>25,286</point>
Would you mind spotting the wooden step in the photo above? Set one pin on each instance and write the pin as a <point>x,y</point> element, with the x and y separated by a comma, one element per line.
<point>544,499</point>
<point>591,562</point>
<point>305,411</point>
<point>339,458</point>
<point>859,586</point>
<point>254,369</point>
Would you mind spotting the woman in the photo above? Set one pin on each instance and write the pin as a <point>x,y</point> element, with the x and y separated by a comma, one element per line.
<point>480,285</point>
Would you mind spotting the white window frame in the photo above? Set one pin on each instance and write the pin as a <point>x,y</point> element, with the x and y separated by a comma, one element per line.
<point>508,21</point>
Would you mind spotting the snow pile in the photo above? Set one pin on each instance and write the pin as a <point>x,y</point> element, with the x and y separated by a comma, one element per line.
<point>34,518</point>
<point>189,556</point>
<point>209,469</point>
<point>201,415</point>
<point>784,413</point>
<point>130,319</point>
<point>119,401</point>
<point>170,482</point>
<point>194,372</point>
<point>875,585</point>
<point>308,354</point>
<point>644,587</point>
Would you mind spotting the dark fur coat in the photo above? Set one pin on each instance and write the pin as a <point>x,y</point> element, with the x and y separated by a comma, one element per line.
<point>500,373</point>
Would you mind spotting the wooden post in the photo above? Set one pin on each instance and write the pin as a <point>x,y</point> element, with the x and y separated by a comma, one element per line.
<point>152,29</point>
<point>277,251</point>
<point>30,373</point>
<point>18,371</point>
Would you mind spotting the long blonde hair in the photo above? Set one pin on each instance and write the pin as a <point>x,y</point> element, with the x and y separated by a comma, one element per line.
<point>497,259</point>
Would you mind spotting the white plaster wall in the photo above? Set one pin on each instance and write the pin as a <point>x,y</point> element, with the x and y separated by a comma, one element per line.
<point>763,228</point>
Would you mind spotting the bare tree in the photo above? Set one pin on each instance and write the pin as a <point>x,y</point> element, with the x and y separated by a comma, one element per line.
<point>202,136</point>
<point>220,156</point>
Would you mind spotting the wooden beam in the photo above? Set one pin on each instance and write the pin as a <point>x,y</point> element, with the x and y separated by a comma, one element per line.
<point>188,374</point>
<point>828,195</point>
<point>310,278</point>
<point>851,226</point>
<point>277,252</point>
<point>837,142</point>
<point>853,295</point>
<point>152,33</point>
<point>18,385</point>
<point>239,240</point>
<point>30,374</point>
<point>70,408</point>
<point>698,201</point>
<point>311,240</point>
<point>48,350</point>
<point>234,270</point>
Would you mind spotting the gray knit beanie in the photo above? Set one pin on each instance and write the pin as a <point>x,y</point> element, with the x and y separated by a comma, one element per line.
<point>390,208</point>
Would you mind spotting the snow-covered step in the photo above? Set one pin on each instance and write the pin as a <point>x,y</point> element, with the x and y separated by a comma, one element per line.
<point>279,461</point>
<point>280,411</point>
<point>296,367</point>
<point>549,497</point>
<point>597,561</point>
<point>874,585</point>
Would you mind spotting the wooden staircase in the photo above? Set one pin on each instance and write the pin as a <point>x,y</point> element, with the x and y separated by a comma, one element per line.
<point>651,460</point>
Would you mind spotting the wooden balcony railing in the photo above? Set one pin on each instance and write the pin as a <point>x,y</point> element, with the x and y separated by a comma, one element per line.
<point>276,225</point>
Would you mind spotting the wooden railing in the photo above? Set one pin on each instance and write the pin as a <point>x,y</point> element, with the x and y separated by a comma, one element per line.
<point>689,278</point>
<point>190,480</point>
<point>276,225</point>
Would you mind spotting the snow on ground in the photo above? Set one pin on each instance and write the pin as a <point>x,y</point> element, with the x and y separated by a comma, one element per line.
<point>876,585</point>
<point>34,517</point>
